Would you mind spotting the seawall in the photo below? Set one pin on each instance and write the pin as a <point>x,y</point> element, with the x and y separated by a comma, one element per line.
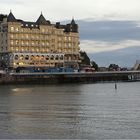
<point>56,78</point>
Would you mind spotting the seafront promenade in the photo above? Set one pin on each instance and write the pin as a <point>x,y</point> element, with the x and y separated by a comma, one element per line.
<point>69,77</point>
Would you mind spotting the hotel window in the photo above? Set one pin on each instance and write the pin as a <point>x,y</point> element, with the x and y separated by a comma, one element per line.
<point>47,43</point>
<point>17,42</point>
<point>33,43</point>
<point>12,28</point>
<point>69,38</point>
<point>52,57</point>
<point>12,48</point>
<point>27,36</point>
<point>43,43</point>
<point>56,58</point>
<point>32,57</point>
<point>17,49</point>
<point>17,29</point>
<point>27,57</point>
<point>22,49</point>
<point>33,49</point>
<point>65,38</point>
<point>16,57</point>
<point>26,49</point>
<point>12,36</point>
<point>43,30</point>
<point>42,57</point>
<point>21,57</point>
<point>37,50</point>
<point>22,43</point>
<point>12,42</point>
<point>47,57</point>
<point>61,57</point>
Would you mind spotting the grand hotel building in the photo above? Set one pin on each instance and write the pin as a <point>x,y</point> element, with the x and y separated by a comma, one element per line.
<point>38,44</point>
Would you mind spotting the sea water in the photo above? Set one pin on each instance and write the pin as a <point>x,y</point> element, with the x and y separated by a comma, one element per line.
<point>70,111</point>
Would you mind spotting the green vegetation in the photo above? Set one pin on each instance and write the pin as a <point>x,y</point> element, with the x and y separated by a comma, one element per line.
<point>113,67</point>
<point>94,65</point>
<point>85,61</point>
<point>84,58</point>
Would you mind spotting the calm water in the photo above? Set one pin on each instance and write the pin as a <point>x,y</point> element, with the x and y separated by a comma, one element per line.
<point>74,111</point>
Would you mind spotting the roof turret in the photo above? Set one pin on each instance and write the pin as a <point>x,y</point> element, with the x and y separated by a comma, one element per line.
<point>73,21</point>
<point>11,17</point>
<point>42,21</point>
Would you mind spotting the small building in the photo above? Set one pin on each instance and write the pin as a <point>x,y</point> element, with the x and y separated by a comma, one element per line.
<point>102,69</point>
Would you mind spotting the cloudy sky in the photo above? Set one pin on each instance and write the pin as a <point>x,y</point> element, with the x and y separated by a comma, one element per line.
<point>80,9</point>
<point>109,29</point>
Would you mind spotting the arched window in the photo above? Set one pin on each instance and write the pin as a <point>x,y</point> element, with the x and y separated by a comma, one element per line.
<point>21,57</point>
<point>42,57</point>
<point>32,57</point>
<point>37,57</point>
<point>52,57</point>
<point>47,57</point>
<point>56,57</point>
<point>61,57</point>
<point>27,57</point>
<point>16,57</point>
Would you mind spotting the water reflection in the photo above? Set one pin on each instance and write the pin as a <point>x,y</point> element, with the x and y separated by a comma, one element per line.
<point>42,110</point>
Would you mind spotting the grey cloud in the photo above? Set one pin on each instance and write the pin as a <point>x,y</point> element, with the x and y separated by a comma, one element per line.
<point>109,30</point>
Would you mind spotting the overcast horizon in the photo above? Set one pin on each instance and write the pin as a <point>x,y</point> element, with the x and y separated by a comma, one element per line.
<point>109,29</point>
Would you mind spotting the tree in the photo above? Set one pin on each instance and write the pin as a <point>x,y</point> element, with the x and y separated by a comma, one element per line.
<point>94,65</point>
<point>113,67</point>
<point>85,59</point>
